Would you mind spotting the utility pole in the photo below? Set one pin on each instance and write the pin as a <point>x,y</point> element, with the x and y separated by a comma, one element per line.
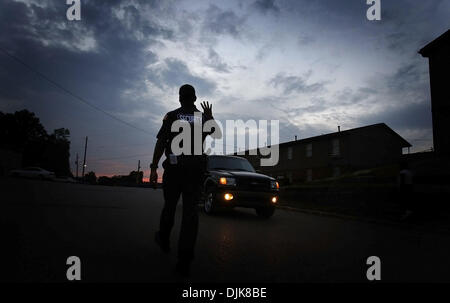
<point>84,160</point>
<point>138,170</point>
<point>76,163</point>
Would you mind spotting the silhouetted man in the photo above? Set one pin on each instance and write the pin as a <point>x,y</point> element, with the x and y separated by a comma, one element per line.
<point>182,176</point>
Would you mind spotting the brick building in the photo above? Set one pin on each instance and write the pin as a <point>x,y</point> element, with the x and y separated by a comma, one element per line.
<point>335,153</point>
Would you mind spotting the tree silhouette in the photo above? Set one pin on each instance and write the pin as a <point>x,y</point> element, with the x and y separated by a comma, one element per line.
<point>90,178</point>
<point>57,152</point>
<point>20,129</point>
<point>133,179</point>
<point>23,132</point>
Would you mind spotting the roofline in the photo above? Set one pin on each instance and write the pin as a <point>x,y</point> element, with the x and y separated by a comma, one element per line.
<point>406,143</point>
<point>334,134</point>
<point>430,47</point>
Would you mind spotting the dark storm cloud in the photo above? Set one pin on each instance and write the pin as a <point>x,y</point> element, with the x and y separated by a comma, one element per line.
<point>288,129</point>
<point>216,62</point>
<point>408,78</point>
<point>402,101</point>
<point>406,85</point>
<point>109,57</point>
<point>397,41</point>
<point>307,130</point>
<point>101,58</point>
<point>317,105</point>
<point>219,21</point>
<point>266,6</point>
<point>45,40</point>
<point>349,96</point>
<point>175,72</point>
<point>410,116</point>
<point>329,14</point>
<point>305,39</point>
<point>298,84</point>
<point>49,26</point>
<point>406,26</point>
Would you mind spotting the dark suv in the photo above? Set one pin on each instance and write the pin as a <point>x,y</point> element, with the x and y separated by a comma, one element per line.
<point>232,181</point>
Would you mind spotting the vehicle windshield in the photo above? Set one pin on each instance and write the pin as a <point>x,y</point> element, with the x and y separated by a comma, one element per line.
<point>230,163</point>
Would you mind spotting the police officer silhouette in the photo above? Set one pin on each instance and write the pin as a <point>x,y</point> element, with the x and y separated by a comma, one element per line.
<point>182,176</point>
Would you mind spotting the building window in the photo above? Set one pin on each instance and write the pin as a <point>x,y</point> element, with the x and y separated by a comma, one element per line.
<point>309,150</point>
<point>335,151</point>
<point>309,174</point>
<point>336,171</point>
<point>289,153</point>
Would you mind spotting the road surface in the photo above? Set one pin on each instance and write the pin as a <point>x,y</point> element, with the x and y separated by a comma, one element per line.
<point>111,230</point>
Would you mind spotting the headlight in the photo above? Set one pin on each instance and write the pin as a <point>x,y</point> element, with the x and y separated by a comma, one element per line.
<point>227,181</point>
<point>228,197</point>
<point>274,185</point>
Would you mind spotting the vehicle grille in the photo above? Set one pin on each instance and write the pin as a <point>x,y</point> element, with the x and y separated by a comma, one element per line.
<point>253,184</point>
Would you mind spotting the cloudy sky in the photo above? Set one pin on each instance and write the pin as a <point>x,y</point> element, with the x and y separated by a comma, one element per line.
<point>311,64</point>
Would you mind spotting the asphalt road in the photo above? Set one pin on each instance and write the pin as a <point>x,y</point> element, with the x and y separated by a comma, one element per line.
<point>111,230</point>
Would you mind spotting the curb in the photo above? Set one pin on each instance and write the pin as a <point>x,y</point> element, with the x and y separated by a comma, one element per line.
<point>367,220</point>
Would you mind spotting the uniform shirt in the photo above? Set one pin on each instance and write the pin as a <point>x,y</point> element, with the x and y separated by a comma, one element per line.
<point>183,113</point>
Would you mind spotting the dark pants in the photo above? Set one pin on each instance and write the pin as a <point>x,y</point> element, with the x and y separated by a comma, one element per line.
<point>187,183</point>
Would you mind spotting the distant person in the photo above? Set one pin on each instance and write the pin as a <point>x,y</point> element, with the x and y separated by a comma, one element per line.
<point>406,190</point>
<point>182,176</point>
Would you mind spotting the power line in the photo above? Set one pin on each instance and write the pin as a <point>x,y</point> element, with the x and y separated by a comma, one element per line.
<point>79,98</point>
<point>120,146</point>
<point>124,157</point>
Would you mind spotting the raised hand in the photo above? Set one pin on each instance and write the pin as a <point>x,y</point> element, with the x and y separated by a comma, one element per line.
<point>153,177</point>
<point>207,109</point>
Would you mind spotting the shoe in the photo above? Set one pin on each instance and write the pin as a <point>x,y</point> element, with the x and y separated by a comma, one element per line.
<point>183,268</point>
<point>163,244</point>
